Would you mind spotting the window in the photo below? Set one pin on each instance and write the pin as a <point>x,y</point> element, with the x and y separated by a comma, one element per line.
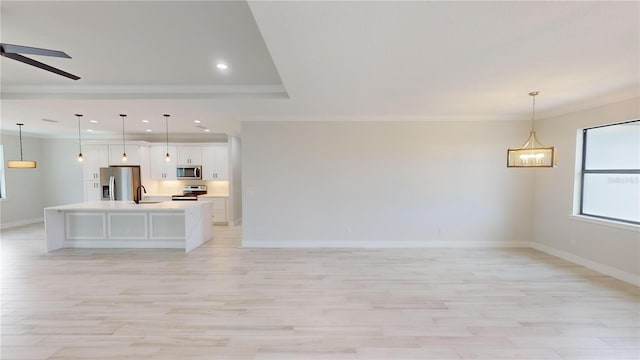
<point>611,172</point>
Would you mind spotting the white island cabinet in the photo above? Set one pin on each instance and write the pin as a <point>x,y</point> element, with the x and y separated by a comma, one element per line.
<point>124,224</point>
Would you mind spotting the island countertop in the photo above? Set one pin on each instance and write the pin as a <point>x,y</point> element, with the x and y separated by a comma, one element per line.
<point>129,206</point>
<point>125,224</point>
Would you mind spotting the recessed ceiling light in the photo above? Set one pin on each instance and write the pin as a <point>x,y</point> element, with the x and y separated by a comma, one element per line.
<point>145,121</point>
<point>222,66</point>
<point>89,130</point>
<point>93,121</point>
<point>196,121</point>
<point>206,130</point>
<point>148,130</point>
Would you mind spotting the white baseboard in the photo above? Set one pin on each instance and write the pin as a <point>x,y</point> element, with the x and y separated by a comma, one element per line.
<point>604,269</point>
<point>21,223</point>
<point>384,244</point>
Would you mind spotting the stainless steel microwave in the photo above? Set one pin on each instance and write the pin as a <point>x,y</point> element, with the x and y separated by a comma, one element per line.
<point>189,172</point>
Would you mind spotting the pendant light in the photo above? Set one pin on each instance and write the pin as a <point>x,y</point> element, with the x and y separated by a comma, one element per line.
<point>167,158</point>
<point>21,164</point>
<point>124,153</point>
<point>533,153</point>
<point>80,158</point>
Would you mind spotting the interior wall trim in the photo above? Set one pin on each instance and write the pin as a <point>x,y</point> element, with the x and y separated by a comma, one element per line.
<point>385,244</point>
<point>589,264</point>
<point>14,224</point>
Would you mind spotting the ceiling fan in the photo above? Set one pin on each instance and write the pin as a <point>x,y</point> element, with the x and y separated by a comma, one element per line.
<point>14,51</point>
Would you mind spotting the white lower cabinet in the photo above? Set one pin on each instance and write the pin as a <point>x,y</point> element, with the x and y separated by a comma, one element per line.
<point>218,208</point>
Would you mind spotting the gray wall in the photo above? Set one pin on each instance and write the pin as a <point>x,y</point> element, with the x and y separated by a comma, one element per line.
<point>56,180</point>
<point>236,178</point>
<point>598,244</point>
<point>383,184</point>
<point>63,173</point>
<point>24,191</point>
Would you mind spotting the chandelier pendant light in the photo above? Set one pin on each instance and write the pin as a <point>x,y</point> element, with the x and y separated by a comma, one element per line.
<point>533,153</point>
<point>80,158</point>
<point>167,157</point>
<point>124,153</point>
<point>21,164</point>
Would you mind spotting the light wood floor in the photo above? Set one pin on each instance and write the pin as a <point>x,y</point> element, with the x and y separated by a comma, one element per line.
<point>224,302</point>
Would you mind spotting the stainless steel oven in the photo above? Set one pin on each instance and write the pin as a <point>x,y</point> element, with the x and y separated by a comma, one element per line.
<point>190,193</point>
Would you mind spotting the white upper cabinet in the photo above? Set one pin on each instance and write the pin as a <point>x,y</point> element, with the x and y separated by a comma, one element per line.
<point>215,162</point>
<point>115,154</point>
<point>189,155</point>
<point>93,158</point>
<point>161,169</point>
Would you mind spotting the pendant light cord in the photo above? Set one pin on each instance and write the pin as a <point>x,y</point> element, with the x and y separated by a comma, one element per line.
<point>533,113</point>
<point>166,126</point>
<point>123,149</point>
<point>79,135</point>
<point>20,130</point>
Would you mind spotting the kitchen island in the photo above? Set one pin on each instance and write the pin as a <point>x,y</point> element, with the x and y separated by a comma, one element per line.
<point>124,224</point>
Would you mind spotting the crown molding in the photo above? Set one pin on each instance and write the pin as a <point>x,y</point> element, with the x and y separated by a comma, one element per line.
<point>27,92</point>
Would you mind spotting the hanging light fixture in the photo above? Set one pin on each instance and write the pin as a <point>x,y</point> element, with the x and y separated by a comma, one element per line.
<point>21,164</point>
<point>533,153</point>
<point>80,158</point>
<point>167,158</point>
<point>124,153</point>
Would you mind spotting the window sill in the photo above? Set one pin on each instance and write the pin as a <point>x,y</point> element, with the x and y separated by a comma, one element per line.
<point>603,222</point>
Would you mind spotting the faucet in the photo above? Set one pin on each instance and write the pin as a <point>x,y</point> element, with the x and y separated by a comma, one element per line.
<point>139,194</point>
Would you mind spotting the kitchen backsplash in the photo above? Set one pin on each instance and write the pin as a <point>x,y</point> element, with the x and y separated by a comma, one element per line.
<point>174,187</point>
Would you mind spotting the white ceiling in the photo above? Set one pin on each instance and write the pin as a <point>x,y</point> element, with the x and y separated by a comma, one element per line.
<point>302,61</point>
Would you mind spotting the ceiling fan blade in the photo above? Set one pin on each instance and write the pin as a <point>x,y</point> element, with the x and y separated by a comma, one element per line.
<point>40,65</point>
<point>19,49</point>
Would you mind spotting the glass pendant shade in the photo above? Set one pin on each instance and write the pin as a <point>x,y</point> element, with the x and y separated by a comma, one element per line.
<point>533,153</point>
<point>21,164</point>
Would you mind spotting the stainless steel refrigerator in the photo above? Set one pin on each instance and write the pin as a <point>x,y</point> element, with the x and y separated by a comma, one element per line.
<point>119,182</point>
